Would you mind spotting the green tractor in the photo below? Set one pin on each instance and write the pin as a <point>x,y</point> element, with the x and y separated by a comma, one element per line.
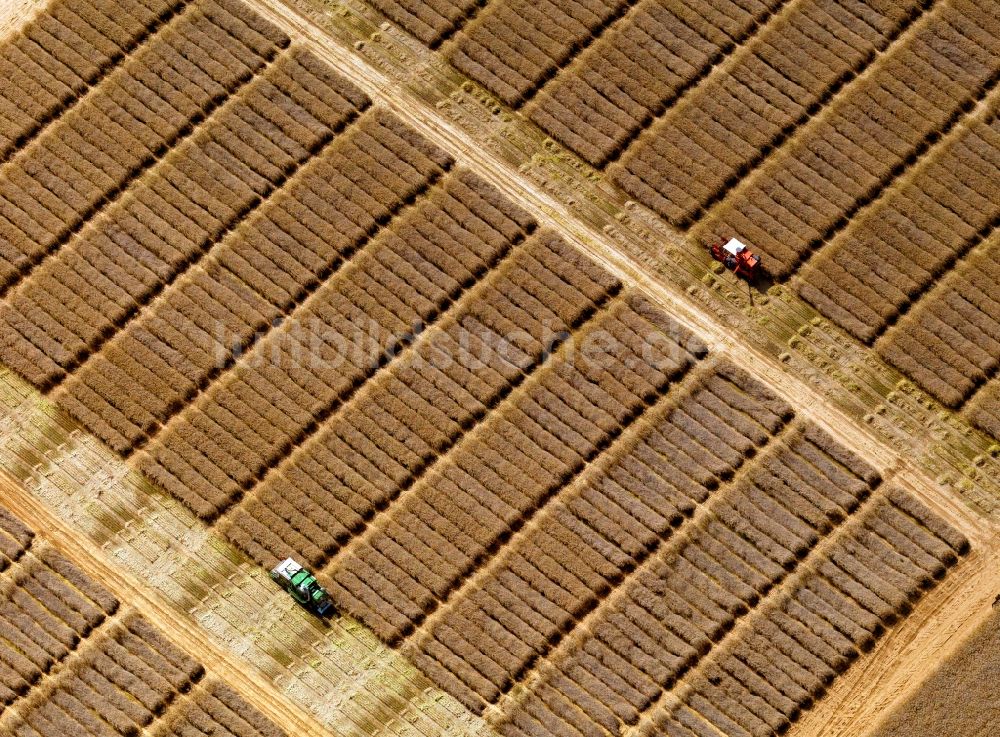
<point>303,587</point>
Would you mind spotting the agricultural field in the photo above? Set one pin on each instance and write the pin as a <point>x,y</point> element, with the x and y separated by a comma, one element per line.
<point>385,288</point>
<point>75,660</point>
<point>853,144</point>
<point>969,673</point>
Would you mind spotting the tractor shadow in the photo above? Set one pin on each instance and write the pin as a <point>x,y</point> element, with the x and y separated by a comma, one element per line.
<point>759,287</point>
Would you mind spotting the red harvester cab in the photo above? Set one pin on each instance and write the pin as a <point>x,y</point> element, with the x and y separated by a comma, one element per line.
<point>737,258</point>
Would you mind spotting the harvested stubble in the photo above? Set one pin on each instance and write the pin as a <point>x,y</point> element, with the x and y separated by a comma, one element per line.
<point>668,616</point>
<point>886,260</point>
<point>351,326</point>
<point>793,203</point>
<point>595,532</point>
<point>507,458</point>
<point>376,445</point>
<point>710,140</point>
<point>88,156</point>
<point>790,652</point>
<point>600,103</point>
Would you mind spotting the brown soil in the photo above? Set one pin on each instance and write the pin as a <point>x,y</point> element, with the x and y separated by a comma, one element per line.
<point>218,606</point>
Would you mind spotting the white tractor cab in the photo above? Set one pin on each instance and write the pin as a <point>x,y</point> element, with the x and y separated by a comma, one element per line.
<point>737,257</point>
<point>303,587</point>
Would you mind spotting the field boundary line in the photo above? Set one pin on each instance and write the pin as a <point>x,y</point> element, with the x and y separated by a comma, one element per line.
<point>632,433</point>
<point>152,32</point>
<point>764,607</point>
<point>724,59</point>
<point>790,131</point>
<point>356,393</point>
<point>549,356</point>
<point>95,215</point>
<point>543,667</point>
<point>184,632</point>
<point>549,211</point>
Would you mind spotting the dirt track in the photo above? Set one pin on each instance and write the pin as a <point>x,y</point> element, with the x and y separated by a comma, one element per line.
<point>900,663</point>
<point>184,633</point>
<point>816,389</point>
<point>943,618</point>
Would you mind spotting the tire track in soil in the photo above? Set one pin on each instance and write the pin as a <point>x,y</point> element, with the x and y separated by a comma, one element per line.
<point>898,665</point>
<point>808,402</point>
<point>548,211</point>
<point>177,626</point>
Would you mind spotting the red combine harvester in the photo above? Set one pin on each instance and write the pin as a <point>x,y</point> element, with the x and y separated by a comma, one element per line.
<point>737,258</point>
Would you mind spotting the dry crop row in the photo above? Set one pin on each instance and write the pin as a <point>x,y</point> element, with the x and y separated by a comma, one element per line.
<point>118,685</point>
<point>667,617</point>
<point>284,390</point>
<point>510,465</point>
<point>431,22</point>
<point>135,680</point>
<point>715,136</point>
<point>59,55</point>
<point>86,291</point>
<point>950,342</point>
<point>917,271</point>
<point>894,251</point>
<point>276,259</point>
<point>15,539</point>
<point>382,441</point>
<point>595,533</point>
<point>598,105</point>
<point>513,46</point>
<point>984,410</point>
<point>48,608</point>
<point>878,126</point>
<point>216,711</point>
<point>788,654</point>
<point>115,680</point>
<point>139,111</point>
